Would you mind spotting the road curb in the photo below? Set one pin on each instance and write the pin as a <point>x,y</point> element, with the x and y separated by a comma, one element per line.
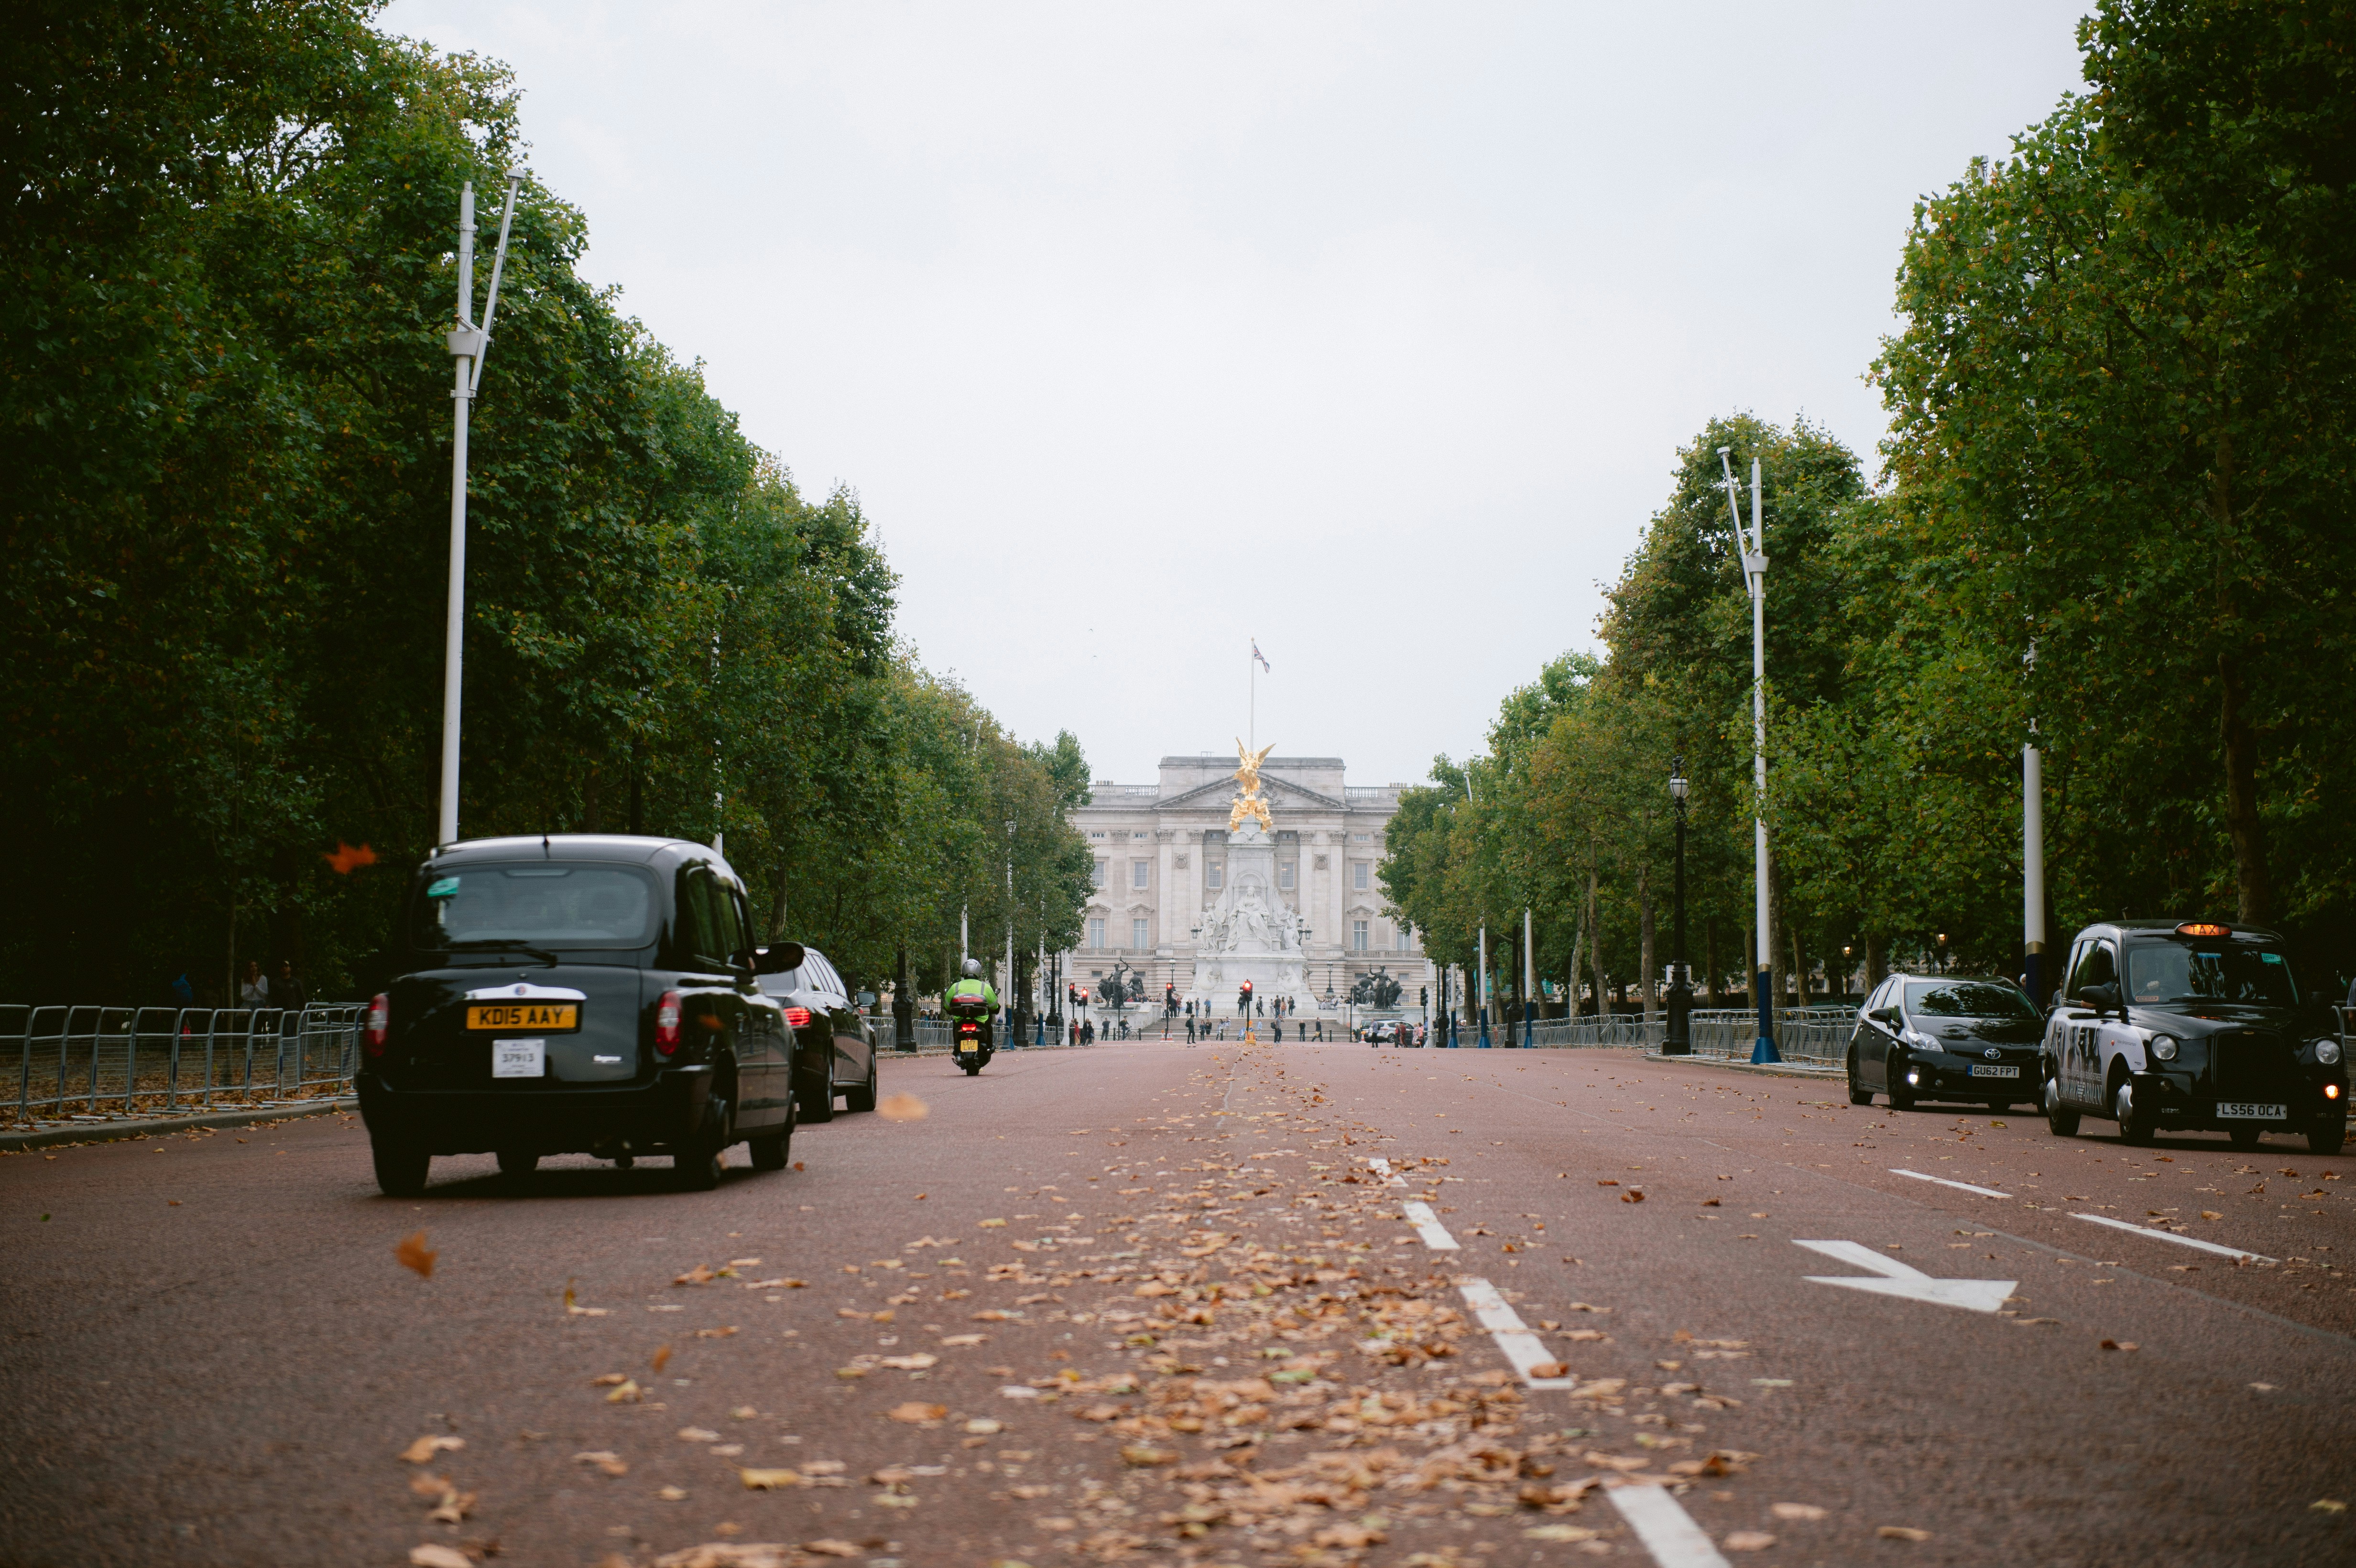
<point>159,1127</point>
<point>1764,1069</point>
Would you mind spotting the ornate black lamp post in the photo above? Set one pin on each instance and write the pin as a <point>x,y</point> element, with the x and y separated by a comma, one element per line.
<point>1678,1041</point>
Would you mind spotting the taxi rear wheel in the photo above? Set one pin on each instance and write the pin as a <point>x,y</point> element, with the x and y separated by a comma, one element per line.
<point>2059,1120</point>
<point>400,1167</point>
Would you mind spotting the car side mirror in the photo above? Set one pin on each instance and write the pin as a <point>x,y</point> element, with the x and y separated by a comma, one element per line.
<point>2102,999</point>
<point>777,957</point>
<point>1884,1016</point>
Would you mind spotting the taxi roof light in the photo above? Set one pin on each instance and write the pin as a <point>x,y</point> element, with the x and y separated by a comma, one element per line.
<point>2203,928</point>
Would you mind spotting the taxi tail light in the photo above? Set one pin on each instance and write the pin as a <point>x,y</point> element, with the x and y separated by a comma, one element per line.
<point>380,1024</point>
<point>2332,1090</point>
<point>666,1023</point>
<point>797,1017</point>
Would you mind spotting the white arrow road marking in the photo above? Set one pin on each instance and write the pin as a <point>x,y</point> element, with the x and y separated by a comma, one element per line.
<point>1959,1186</point>
<point>1897,1279</point>
<point>2172,1236</point>
<point>1521,1346</point>
<point>1427,1225</point>
<point>1383,1167</point>
<point>1667,1531</point>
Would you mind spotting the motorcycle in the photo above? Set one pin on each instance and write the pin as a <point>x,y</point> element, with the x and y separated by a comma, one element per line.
<point>969,1047</point>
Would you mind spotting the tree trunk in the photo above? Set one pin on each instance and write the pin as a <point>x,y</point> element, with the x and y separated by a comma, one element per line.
<point>1595,954</point>
<point>903,1000</point>
<point>2248,834</point>
<point>1876,958</point>
<point>1650,989</point>
<point>1709,957</point>
<point>1577,952</point>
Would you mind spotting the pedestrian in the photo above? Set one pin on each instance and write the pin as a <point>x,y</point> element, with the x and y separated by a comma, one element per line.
<point>253,991</point>
<point>286,992</point>
<point>1190,1029</point>
<point>1279,1027</point>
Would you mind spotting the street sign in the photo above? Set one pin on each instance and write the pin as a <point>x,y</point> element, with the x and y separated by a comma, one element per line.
<point>1896,1279</point>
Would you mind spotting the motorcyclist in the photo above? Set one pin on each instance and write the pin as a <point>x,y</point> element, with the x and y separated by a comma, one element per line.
<point>974,986</point>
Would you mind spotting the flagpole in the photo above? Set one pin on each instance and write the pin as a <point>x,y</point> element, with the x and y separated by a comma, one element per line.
<point>1251,672</point>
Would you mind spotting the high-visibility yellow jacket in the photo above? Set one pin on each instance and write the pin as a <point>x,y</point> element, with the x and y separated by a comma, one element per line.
<point>976,989</point>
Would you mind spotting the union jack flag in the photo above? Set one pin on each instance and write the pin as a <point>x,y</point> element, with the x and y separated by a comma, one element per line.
<point>1261,657</point>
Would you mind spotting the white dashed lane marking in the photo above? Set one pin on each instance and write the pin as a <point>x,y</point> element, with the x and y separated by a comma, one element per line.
<point>1667,1531</point>
<point>1662,1524</point>
<point>2171,1236</point>
<point>1958,1186</point>
<point>1521,1346</point>
<point>1427,1225</point>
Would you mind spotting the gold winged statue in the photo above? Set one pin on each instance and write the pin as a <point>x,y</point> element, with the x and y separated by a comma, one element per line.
<point>1249,804</point>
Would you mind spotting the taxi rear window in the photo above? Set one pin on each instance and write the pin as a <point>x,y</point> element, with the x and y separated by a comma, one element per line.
<point>536,903</point>
<point>2171,972</point>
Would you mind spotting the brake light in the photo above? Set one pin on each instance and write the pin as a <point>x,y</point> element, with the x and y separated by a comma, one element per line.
<point>2203,928</point>
<point>2332,1090</point>
<point>797,1017</point>
<point>380,1024</point>
<point>666,1023</point>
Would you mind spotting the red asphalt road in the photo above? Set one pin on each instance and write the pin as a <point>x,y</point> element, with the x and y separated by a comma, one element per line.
<point>215,1358</point>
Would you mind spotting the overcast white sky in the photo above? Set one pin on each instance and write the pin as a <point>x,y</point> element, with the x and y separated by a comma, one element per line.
<point>1370,330</point>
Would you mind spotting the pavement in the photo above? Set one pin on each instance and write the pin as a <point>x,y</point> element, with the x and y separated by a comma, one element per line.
<point>1301,1304</point>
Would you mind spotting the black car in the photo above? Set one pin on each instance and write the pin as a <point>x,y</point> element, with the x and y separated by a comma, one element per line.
<point>575,993</point>
<point>1944,1037</point>
<point>836,1044</point>
<point>2173,1026</point>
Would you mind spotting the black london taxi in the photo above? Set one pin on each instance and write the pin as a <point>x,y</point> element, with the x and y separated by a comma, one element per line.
<point>1944,1037</point>
<point>575,993</point>
<point>2183,1026</point>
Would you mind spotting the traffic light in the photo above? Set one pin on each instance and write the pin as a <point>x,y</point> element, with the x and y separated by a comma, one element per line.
<point>1423,996</point>
<point>1244,999</point>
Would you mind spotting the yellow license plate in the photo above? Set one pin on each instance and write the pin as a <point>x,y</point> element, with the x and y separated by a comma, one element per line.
<point>525,1015</point>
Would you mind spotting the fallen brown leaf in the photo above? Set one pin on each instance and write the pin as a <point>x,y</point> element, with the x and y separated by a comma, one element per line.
<point>1748,1541</point>
<point>610,1463</point>
<point>769,1480</point>
<point>1549,1370</point>
<point>453,1507</point>
<point>429,1486</point>
<point>902,1107</point>
<point>626,1391</point>
<point>1901,1532</point>
<point>435,1556</point>
<point>723,1555</point>
<point>609,1380</point>
<point>661,1358</point>
<point>1634,1195</point>
<point>916,1412</point>
<point>1797,1510</point>
<point>425,1447</point>
<point>699,1274</point>
<point>1140,1457</point>
<point>832,1548</point>
<point>412,1252</point>
<point>2121,1345</point>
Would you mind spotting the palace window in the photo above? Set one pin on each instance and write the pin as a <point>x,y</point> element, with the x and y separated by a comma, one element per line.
<point>1095,932</point>
<point>1137,873</point>
<point>1399,937</point>
<point>1358,937</point>
<point>1362,838</point>
<point>1096,877</point>
<point>1215,874</point>
<point>1139,934</point>
<point>1359,870</point>
<point>1284,875</point>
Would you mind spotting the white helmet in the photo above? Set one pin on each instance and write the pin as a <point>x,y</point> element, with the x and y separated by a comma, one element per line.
<point>973,968</point>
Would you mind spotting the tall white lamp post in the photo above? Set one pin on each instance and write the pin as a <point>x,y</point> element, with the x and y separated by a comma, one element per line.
<point>468,342</point>
<point>1754,572</point>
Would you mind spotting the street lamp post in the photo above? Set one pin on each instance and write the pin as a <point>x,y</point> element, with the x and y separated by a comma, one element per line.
<point>1012,1011</point>
<point>1754,573</point>
<point>467,344</point>
<point>1678,1040</point>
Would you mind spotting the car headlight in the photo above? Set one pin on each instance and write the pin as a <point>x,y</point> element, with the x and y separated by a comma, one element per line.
<point>2327,1051</point>
<point>2163,1047</point>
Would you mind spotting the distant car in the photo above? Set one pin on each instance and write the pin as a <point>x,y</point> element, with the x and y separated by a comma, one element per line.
<point>1944,1037</point>
<point>2173,1026</point>
<point>836,1052</point>
<point>575,994</point>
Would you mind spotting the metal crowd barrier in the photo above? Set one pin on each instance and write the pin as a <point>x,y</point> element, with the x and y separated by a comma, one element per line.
<point>170,1058</point>
<point>1817,1036</point>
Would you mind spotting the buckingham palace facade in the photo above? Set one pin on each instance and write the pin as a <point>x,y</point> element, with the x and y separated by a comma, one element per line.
<point>1159,854</point>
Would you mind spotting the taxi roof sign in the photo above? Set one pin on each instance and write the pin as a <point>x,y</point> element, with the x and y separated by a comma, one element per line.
<point>2203,928</point>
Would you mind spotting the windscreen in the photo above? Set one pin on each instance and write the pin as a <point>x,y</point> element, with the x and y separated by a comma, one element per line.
<point>2168,973</point>
<point>1965,999</point>
<point>537,904</point>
